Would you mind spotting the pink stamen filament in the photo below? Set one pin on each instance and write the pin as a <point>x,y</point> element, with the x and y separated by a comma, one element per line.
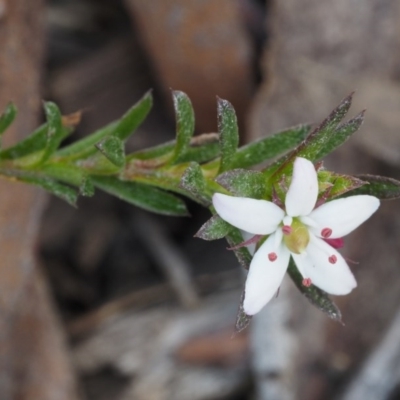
<point>272,257</point>
<point>286,230</point>
<point>326,233</point>
<point>306,282</point>
<point>332,259</point>
<point>335,243</point>
<point>252,240</point>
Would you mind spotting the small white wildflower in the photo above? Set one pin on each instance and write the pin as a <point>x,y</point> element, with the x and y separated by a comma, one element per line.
<point>300,232</point>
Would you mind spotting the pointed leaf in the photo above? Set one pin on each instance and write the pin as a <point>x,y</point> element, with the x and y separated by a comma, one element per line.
<point>338,184</point>
<point>113,149</point>
<point>229,133</point>
<point>316,296</point>
<point>269,147</point>
<point>193,181</point>
<point>121,128</point>
<point>86,188</point>
<point>243,183</point>
<point>242,320</point>
<point>379,186</point>
<point>64,192</point>
<point>141,195</point>
<point>215,228</point>
<point>341,134</point>
<point>134,117</point>
<point>7,117</point>
<point>184,125</point>
<point>55,133</point>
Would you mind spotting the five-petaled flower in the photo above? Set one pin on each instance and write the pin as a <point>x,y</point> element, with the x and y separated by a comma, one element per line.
<point>300,231</point>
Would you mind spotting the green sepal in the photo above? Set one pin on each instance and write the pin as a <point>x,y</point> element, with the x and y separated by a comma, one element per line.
<point>215,228</point>
<point>229,134</point>
<point>121,129</point>
<point>7,117</point>
<point>143,196</point>
<point>269,147</point>
<point>193,181</point>
<point>337,184</point>
<point>64,192</point>
<point>55,132</point>
<point>235,238</point>
<point>243,183</point>
<point>242,319</point>
<point>316,296</point>
<point>379,186</point>
<point>113,149</point>
<point>184,125</point>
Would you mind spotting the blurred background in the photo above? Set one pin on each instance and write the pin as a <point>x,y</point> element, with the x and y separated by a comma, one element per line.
<point>108,302</point>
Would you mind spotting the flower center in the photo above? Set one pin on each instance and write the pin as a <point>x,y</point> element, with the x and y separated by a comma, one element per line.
<point>297,239</point>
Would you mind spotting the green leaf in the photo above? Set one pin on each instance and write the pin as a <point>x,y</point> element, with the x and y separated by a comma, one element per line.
<point>338,184</point>
<point>215,228</point>
<point>113,149</point>
<point>379,186</point>
<point>315,295</point>
<point>122,128</point>
<point>64,192</point>
<point>193,181</point>
<point>55,132</point>
<point>243,183</point>
<point>86,188</point>
<point>7,117</point>
<point>229,134</point>
<point>35,142</point>
<point>143,196</point>
<point>271,146</point>
<point>184,125</point>
<point>341,134</point>
<point>242,319</point>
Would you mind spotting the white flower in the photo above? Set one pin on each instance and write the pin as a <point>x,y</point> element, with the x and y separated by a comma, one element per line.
<point>297,232</point>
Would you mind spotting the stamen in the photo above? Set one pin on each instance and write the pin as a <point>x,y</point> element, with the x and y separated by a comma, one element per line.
<point>287,230</point>
<point>252,240</point>
<point>335,243</point>
<point>306,282</point>
<point>272,257</point>
<point>326,232</point>
<point>332,259</point>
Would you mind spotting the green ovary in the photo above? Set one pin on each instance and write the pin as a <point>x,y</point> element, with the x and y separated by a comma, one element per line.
<point>298,239</point>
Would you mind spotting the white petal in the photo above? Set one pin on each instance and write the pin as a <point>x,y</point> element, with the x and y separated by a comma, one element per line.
<point>247,236</point>
<point>302,262</point>
<point>265,276</point>
<point>303,190</point>
<point>332,278</point>
<point>343,215</point>
<point>259,217</point>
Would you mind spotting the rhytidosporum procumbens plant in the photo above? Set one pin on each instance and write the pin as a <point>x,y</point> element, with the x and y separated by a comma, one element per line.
<point>291,215</point>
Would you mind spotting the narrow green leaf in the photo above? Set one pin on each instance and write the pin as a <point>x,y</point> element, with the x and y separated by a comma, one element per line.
<point>338,184</point>
<point>242,319</point>
<point>7,117</point>
<point>193,181</point>
<point>35,142</point>
<point>315,295</point>
<point>341,134</point>
<point>269,147</point>
<point>141,195</point>
<point>64,192</point>
<point>55,132</point>
<point>134,117</point>
<point>113,148</point>
<point>229,134</point>
<point>122,128</point>
<point>184,125</point>
<point>86,188</point>
<point>379,186</point>
<point>215,228</point>
<point>243,183</point>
